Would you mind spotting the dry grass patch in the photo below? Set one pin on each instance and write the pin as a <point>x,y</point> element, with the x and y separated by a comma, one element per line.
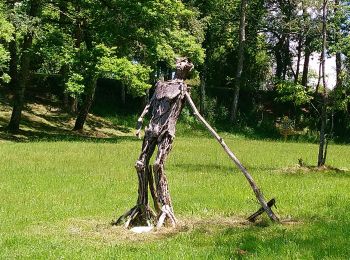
<point>101,232</point>
<point>311,169</point>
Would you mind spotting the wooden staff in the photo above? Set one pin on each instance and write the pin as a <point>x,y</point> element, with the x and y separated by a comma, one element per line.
<point>255,188</point>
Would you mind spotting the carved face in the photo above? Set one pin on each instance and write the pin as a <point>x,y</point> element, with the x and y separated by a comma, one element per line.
<point>183,67</point>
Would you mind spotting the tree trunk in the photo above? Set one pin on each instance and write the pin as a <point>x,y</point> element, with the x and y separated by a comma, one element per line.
<point>64,69</point>
<point>202,93</point>
<point>338,68</point>
<point>304,79</point>
<point>13,72</point>
<point>279,58</point>
<point>322,144</point>
<point>300,42</point>
<point>123,94</point>
<point>238,77</point>
<point>85,108</point>
<point>24,73</point>
<point>286,57</point>
<point>338,61</point>
<point>78,35</point>
<point>18,102</point>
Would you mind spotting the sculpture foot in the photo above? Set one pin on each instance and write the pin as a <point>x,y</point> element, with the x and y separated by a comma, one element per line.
<point>139,215</point>
<point>166,213</point>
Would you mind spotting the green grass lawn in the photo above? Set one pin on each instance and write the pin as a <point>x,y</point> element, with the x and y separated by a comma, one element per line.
<point>58,198</point>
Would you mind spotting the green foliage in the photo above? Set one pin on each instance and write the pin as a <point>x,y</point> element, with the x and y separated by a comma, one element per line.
<point>4,59</point>
<point>136,42</point>
<point>5,78</point>
<point>215,113</point>
<point>185,45</point>
<point>340,97</point>
<point>75,85</point>
<point>54,49</point>
<point>133,75</point>
<point>179,43</point>
<point>101,61</point>
<point>6,28</point>
<point>221,19</point>
<point>22,21</point>
<point>6,35</point>
<point>291,92</point>
<point>126,46</point>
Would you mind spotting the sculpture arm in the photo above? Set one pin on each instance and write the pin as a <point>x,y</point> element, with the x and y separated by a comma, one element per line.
<point>233,157</point>
<point>140,120</point>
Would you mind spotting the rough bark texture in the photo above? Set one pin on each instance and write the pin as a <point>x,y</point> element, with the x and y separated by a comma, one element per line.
<point>85,108</point>
<point>338,68</point>
<point>254,216</point>
<point>238,77</point>
<point>165,107</point>
<point>23,75</point>
<point>306,64</point>
<point>279,57</point>
<point>203,90</point>
<point>63,6</point>
<point>299,48</point>
<point>338,61</point>
<point>249,178</point>
<point>123,94</point>
<point>322,144</point>
<point>13,62</point>
<point>307,49</point>
<point>286,59</point>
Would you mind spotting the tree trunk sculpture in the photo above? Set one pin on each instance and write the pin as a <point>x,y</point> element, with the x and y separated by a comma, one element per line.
<point>166,105</point>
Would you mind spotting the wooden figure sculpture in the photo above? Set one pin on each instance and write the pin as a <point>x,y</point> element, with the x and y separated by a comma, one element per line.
<point>165,106</point>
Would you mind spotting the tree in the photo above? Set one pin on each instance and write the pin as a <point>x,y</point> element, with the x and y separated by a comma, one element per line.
<point>322,153</point>
<point>104,64</point>
<point>31,12</point>
<point>76,36</point>
<point>338,60</point>
<point>241,43</point>
<point>221,20</point>
<point>149,35</point>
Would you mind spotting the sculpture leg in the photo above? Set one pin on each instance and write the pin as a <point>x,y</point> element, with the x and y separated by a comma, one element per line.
<point>141,166</point>
<point>141,214</point>
<point>163,195</point>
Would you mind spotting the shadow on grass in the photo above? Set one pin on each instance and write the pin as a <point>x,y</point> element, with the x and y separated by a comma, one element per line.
<point>327,237</point>
<point>319,241</point>
<point>203,167</point>
<point>219,168</point>
<point>49,123</point>
<point>44,136</point>
<point>40,130</point>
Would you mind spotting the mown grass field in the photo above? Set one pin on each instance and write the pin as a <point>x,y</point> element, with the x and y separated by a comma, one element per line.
<point>58,198</point>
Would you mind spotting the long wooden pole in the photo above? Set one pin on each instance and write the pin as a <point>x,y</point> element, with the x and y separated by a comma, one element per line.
<point>250,179</point>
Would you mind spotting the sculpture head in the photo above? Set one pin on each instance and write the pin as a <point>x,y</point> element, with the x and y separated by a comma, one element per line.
<point>183,67</point>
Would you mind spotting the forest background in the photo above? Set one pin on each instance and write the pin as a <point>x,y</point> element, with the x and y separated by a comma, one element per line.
<point>254,60</point>
<point>75,75</point>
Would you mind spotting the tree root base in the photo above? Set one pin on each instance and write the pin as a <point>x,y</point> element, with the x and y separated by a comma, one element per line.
<point>142,215</point>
